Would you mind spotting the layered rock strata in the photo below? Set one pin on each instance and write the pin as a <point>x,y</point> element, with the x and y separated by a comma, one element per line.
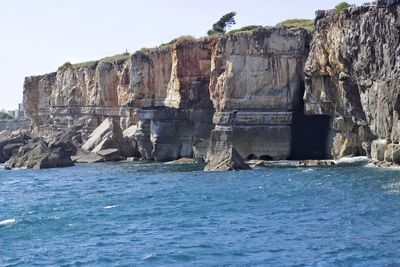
<point>265,92</point>
<point>163,91</point>
<point>187,97</point>
<point>256,85</point>
<point>353,76</point>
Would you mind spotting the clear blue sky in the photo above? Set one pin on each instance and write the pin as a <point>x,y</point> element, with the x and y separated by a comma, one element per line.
<point>37,36</point>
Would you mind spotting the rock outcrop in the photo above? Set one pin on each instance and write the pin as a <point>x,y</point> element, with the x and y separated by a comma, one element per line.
<point>256,84</point>
<point>226,160</point>
<point>40,155</point>
<point>10,142</point>
<point>266,92</point>
<point>352,76</point>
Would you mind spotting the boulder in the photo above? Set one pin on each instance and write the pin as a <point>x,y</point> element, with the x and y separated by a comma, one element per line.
<point>396,153</point>
<point>10,142</point>
<point>40,155</point>
<point>378,148</point>
<point>111,154</point>
<point>87,157</point>
<point>107,135</point>
<point>104,139</point>
<point>227,160</point>
<point>70,138</point>
<point>129,147</point>
<point>389,153</point>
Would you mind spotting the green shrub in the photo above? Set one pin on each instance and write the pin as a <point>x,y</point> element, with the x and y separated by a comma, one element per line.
<point>117,58</point>
<point>5,116</point>
<point>249,28</point>
<point>183,38</point>
<point>86,64</point>
<point>341,6</point>
<point>65,66</point>
<point>146,50</point>
<point>307,24</point>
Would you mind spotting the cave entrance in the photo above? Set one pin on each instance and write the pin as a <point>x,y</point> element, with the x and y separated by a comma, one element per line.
<point>310,137</point>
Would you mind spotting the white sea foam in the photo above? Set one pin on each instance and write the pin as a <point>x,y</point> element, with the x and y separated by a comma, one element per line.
<point>371,165</point>
<point>347,160</point>
<point>7,222</point>
<point>110,207</point>
<point>149,256</point>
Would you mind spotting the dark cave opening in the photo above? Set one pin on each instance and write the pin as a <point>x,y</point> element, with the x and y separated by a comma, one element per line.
<point>266,157</point>
<point>310,136</point>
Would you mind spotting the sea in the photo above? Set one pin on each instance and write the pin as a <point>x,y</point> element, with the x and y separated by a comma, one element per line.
<point>158,214</point>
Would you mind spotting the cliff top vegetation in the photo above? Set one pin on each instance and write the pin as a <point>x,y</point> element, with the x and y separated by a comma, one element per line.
<point>116,58</point>
<point>222,24</point>
<point>341,6</point>
<point>307,24</point>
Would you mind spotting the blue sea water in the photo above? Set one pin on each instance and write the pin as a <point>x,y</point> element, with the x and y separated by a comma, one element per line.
<point>129,214</point>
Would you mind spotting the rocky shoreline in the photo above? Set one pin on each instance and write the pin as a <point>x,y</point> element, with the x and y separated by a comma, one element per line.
<point>268,94</point>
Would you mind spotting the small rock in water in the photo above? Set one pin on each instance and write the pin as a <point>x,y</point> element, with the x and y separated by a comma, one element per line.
<point>182,161</point>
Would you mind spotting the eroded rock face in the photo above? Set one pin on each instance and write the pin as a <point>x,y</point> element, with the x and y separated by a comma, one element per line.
<point>10,142</point>
<point>256,83</point>
<point>352,75</point>
<point>164,91</point>
<point>106,141</point>
<point>38,154</point>
<point>227,159</point>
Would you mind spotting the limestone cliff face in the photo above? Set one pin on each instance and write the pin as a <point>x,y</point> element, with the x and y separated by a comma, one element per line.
<point>239,89</point>
<point>256,83</point>
<point>163,90</point>
<point>149,77</point>
<point>352,75</point>
<point>248,90</point>
<point>259,70</point>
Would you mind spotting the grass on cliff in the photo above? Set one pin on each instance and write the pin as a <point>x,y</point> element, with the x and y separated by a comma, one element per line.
<point>116,58</point>
<point>307,24</point>
<point>93,64</point>
<point>249,29</point>
<point>179,39</point>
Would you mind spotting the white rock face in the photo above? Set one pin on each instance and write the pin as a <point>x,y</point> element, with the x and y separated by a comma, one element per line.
<point>108,135</point>
<point>378,148</point>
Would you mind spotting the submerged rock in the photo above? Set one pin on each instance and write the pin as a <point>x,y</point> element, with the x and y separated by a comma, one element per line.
<point>227,160</point>
<point>183,161</point>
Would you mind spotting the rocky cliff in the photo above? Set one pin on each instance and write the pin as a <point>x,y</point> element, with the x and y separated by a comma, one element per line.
<point>271,93</point>
<point>352,75</point>
<point>256,85</point>
<point>177,94</point>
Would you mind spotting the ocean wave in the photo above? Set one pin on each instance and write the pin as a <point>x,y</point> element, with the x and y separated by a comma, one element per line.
<point>110,207</point>
<point>7,222</point>
<point>149,256</point>
<point>348,160</point>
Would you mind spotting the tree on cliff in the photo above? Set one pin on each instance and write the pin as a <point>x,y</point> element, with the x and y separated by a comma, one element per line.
<point>224,22</point>
<point>341,6</point>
